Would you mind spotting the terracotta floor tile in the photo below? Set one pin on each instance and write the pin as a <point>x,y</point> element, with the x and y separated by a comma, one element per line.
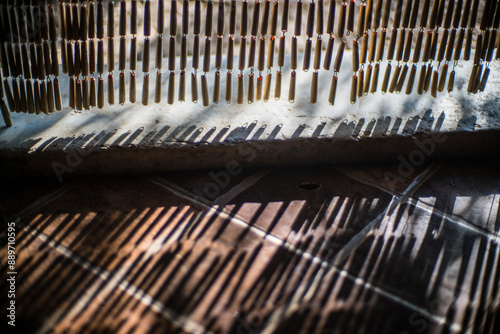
<point>210,184</point>
<point>110,221</point>
<point>219,270</point>
<point>114,311</point>
<point>208,269</point>
<point>140,259</point>
<point>350,302</point>
<point>48,285</point>
<point>352,307</point>
<point>314,200</point>
<point>470,191</point>
<point>431,262</point>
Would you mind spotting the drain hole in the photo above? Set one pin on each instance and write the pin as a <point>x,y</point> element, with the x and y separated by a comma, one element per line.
<point>309,186</point>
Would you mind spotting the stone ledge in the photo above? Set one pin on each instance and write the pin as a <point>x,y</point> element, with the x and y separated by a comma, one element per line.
<point>298,151</point>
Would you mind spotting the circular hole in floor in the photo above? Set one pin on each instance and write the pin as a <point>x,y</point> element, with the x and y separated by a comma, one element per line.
<point>309,186</point>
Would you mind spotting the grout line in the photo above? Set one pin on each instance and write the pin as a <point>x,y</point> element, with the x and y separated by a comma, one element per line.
<point>48,199</point>
<point>331,265</point>
<point>103,274</point>
<point>240,187</point>
<point>421,179</point>
<point>118,281</point>
<point>457,220</point>
<point>221,211</point>
<point>356,280</point>
<point>358,239</point>
<point>177,190</point>
<point>495,206</point>
<point>218,203</point>
<point>360,236</point>
<point>413,186</point>
<point>254,228</point>
<point>160,308</point>
<point>287,310</point>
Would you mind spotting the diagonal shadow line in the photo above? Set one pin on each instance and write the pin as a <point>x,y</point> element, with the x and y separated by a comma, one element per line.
<point>241,187</point>
<point>495,236</point>
<point>309,290</point>
<point>327,265</point>
<point>368,182</point>
<point>359,238</point>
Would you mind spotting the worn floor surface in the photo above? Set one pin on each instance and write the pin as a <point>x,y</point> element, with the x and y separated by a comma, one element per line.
<point>322,249</point>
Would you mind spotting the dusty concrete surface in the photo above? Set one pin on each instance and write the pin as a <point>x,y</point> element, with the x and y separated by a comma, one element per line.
<point>136,138</point>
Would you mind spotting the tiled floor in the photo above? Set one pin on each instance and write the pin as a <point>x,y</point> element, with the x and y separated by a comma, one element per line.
<point>322,249</point>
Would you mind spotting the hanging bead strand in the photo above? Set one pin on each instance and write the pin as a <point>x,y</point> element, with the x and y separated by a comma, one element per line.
<point>261,59</point>
<point>294,56</point>
<point>281,49</point>
<point>208,54</point>
<point>196,51</point>
<point>218,51</point>
<point>146,52</point>
<point>270,55</point>
<point>183,64</point>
